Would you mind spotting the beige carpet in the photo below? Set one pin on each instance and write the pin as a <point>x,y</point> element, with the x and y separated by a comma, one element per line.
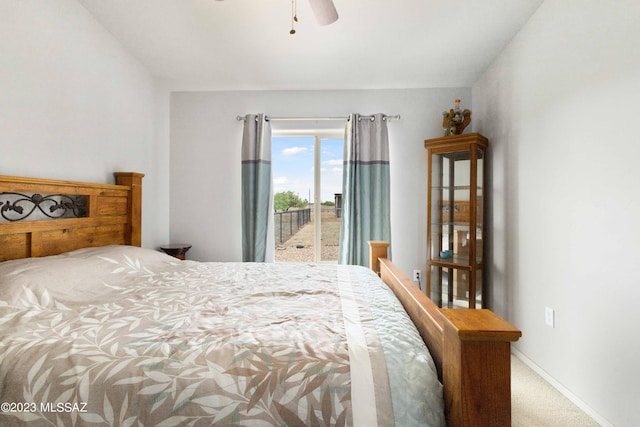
<point>535,402</point>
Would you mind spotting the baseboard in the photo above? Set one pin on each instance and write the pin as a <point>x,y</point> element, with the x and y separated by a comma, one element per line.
<point>563,390</point>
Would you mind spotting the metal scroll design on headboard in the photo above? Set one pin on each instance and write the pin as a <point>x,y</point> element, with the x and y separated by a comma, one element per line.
<point>19,206</point>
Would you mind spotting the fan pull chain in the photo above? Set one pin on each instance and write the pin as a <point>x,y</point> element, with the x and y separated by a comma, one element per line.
<point>294,16</point>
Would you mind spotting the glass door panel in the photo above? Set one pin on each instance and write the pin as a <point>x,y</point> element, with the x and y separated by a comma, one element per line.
<point>331,161</point>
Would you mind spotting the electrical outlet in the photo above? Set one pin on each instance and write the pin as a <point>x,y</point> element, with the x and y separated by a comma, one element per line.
<point>550,317</point>
<point>416,275</point>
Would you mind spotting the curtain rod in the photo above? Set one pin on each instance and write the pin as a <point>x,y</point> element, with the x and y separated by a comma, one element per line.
<point>268,118</point>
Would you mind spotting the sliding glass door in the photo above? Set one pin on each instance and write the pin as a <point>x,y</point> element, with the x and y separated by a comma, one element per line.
<point>307,183</point>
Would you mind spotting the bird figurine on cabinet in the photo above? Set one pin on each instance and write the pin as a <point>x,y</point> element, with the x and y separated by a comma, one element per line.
<point>455,120</point>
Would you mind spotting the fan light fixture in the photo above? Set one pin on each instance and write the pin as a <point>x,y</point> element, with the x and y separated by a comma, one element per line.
<point>324,11</point>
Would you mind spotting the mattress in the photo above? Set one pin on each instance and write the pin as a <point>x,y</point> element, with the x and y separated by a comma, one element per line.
<point>129,336</point>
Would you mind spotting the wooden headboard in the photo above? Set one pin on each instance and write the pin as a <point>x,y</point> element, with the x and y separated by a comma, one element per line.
<point>72,215</point>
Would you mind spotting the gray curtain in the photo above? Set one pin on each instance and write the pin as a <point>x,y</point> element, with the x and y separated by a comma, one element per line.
<point>365,188</point>
<point>257,200</point>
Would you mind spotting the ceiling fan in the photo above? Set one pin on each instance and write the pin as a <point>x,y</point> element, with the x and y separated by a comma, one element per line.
<point>324,11</point>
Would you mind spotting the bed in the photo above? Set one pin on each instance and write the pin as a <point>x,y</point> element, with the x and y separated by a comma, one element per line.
<point>95,329</point>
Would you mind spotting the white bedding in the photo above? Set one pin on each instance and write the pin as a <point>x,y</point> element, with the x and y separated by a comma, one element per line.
<point>140,338</point>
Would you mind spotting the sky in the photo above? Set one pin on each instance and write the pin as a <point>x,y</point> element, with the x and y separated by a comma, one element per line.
<point>292,166</point>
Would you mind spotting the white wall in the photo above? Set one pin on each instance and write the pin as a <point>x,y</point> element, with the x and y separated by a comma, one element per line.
<point>560,106</point>
<point>74,105</point>
<point>205,160</point>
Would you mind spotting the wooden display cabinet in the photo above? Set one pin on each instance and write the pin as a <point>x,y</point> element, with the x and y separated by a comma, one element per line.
<point>455,225</point>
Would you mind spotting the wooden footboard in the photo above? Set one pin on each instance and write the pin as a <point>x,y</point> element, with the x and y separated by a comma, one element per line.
<point>471,349</point>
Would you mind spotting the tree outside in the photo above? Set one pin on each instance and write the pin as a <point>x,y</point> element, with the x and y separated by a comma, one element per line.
<point>288,199</point>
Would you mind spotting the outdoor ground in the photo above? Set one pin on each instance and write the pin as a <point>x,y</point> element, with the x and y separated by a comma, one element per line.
<point>289,252</point>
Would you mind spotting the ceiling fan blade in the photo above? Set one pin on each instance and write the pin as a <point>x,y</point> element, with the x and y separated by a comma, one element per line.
<point>324,11</point>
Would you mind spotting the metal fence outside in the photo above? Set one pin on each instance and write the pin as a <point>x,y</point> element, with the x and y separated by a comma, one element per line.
<point>288,223</point>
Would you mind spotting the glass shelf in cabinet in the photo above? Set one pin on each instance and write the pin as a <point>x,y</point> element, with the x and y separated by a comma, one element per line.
<point>456,261</point>
<point>454,187</point>
<point>464,224</point>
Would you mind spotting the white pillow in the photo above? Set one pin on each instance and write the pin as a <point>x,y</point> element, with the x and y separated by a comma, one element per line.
<point>80,275</point>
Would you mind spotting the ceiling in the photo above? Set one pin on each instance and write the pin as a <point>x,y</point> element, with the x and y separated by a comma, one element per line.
<point>246,45</point>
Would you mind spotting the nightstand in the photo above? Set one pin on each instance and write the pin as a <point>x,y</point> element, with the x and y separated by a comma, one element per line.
<point>177,250</point>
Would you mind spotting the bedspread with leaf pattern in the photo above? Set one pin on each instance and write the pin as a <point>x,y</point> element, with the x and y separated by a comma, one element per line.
<point>132,337</point>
